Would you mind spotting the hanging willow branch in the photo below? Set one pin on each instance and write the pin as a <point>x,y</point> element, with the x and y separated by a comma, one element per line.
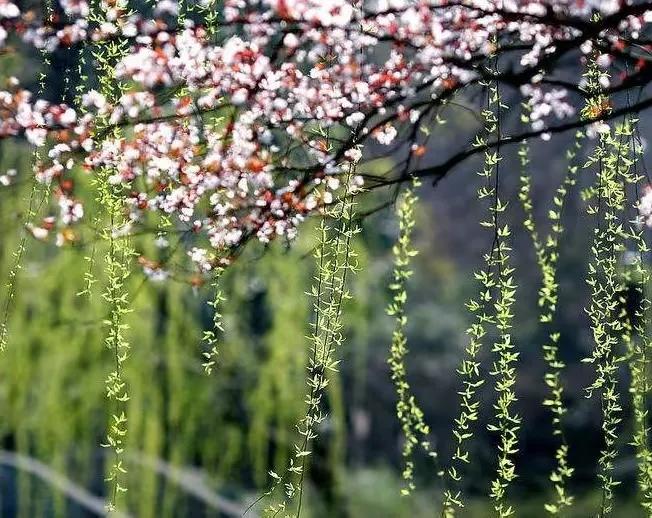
<point>335,260</point>
<point>547,256</point>
<point>410,415</point>
<point>503,368</point>
<point>610,158</point>
<point>117,266</point>
<point>493,308</point>
<point>210,337</point>
<point>637,341</point>
<point>32,207</point>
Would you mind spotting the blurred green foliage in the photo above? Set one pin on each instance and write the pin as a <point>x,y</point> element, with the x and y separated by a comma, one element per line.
<point>234,426</point>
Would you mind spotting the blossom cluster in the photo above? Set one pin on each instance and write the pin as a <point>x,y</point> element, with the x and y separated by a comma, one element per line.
<point>645,207</point>
<point>264,111</point>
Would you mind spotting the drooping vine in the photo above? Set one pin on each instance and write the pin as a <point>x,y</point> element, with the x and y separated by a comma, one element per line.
<point>503,368</point>
<point>11,284</point>
<point>117,270</point>
<point>335,260</point>
<point>547,256</point>
<point>210,337</point>
<point>410,416</point>
<point>33,204</point>
<point>637,320</point>
<point>118,259</point>
<point>469,371</point>
<point>608,202</point>
<point>492,310</point>
<point>637,344</point>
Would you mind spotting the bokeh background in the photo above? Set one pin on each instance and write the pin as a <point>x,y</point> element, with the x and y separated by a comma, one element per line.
<point>202,445</point>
